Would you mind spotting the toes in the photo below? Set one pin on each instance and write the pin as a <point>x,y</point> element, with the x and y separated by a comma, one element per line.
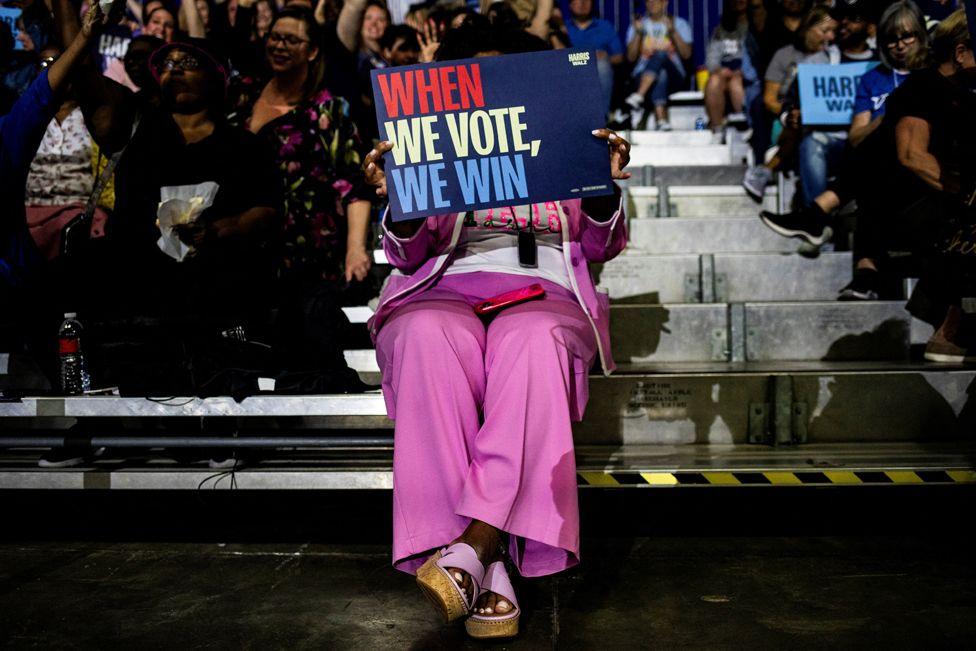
<point>502,607</point>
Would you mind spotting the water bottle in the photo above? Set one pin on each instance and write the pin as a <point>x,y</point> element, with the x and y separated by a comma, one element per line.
<point>74,376</point>
<point>700,123</point>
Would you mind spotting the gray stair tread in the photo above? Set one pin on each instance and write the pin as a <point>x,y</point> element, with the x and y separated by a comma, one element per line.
<point>706,235</point>
<point>813,367</point>
<point>601,466</point>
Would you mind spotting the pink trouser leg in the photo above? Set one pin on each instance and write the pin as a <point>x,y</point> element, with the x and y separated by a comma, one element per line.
<point>432,356</point>
<point>522,477</point>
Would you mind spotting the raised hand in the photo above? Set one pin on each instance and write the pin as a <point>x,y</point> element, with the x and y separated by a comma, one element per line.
<point>428,41</point>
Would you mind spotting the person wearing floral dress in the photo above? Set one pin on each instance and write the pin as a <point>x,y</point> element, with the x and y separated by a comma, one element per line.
<point>327,206</point>
<point>324,259</point>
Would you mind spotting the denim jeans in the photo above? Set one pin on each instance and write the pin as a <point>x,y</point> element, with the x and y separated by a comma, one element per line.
<point>820,154</point>
<point>666,77</point>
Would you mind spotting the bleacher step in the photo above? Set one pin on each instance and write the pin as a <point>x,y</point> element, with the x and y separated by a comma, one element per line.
<point>676,138</point>
<point>766,331</point>
<point>635,466</point>
<point>707,235</point>
<point>668,175</point>
<point>640,276</point>
<point>715,200</point>
<point>642,155</point>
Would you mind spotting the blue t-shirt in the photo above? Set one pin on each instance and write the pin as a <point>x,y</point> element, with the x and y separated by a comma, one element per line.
<point>656,37</point>
<point>874,88</point>
<point>21,131</point>
<point>599,35</point>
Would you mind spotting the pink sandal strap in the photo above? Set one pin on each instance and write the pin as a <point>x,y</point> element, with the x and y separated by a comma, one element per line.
<point>498,581</point>
<point>463,557</point>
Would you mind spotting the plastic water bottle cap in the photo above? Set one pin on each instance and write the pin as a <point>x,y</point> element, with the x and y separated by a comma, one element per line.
<point>71,315</point>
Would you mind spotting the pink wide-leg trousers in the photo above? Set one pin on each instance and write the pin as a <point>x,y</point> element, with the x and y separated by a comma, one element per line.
<point>482,416</point>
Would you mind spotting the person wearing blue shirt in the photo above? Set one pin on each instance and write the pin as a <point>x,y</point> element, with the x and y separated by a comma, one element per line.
<point>21,131</point>
<point>587,32</point>
<point>659,45</point>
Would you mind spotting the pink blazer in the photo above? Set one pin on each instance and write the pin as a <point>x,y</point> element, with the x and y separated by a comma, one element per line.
<point>421,259</point>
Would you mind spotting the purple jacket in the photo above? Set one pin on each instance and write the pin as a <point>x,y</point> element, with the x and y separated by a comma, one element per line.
<point>421,260</point>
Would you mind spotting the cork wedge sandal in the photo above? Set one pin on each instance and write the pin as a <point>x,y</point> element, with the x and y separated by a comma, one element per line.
<point>439,586</point>
<point>507,625</point>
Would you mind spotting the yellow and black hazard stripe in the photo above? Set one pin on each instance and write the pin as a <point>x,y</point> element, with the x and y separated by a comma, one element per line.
<point>610,479</point>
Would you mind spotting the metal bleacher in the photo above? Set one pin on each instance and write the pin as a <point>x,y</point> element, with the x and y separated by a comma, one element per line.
<point>737,366</point>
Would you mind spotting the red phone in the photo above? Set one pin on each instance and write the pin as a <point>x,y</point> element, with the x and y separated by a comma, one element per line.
<point>509,299</point>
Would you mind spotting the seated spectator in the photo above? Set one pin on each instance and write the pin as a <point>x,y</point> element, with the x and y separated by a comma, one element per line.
<point>400,46</point>
<point>589,32</point>
<point>62,174</point>
<point>186,142</point>
<point>773,26</point>
<point>479,473</point>
<point>659,45</point>
<point>161,23</point>
<point>914,182</point>
<point>903,43</point>
<point>34,34</point>
<point>821,148</point>
<point>723,60</point>
<point>21,132</point>
<point>324,259</point>
<point>326,206</point>
<point>813,36</point>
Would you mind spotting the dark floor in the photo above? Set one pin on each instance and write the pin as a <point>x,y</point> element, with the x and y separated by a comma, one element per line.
<point>727,568</point>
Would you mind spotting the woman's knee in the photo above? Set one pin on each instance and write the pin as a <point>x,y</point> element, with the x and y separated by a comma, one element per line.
<point>434,326</point>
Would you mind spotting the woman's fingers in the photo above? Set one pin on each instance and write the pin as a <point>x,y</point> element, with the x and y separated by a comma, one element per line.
<point>619,151</point>
<point>371,166</point>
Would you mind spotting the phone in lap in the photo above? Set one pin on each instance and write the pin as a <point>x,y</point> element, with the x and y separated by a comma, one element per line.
<point>508,299</point>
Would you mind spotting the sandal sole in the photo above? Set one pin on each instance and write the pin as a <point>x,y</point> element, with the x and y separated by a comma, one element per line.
<point>484,628</point>
<point>441,590</point>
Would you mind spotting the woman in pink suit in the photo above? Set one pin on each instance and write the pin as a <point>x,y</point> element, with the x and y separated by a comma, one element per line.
<point>483,464</point>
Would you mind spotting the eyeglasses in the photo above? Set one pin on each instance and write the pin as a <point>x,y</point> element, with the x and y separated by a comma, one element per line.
<point>47,61</point>
<point>186,64</point>
<point>906,39</point>
<point>286,39</point>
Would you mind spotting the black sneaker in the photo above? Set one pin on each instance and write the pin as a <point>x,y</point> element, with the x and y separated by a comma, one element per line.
<point>809,224</point>
<point>864,286</point>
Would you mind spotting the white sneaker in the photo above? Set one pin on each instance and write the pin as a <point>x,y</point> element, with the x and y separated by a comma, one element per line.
<point>718,137</point>
<point>663,125</point>
<point>635,118</point>
<point>739,118</point>
<point>635,101</point>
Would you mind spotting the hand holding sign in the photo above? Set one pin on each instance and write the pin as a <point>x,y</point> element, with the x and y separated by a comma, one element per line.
<point>490,132</point>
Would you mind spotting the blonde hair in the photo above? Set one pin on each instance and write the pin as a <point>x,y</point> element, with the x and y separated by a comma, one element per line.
<point>950,34</point>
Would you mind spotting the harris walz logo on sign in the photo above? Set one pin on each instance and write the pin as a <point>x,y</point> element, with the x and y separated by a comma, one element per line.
<point>579,58</point>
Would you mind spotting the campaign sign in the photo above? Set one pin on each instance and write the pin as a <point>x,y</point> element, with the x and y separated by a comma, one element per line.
<point>493,131</point>
<point>827,91</point>
<point>10,15</point>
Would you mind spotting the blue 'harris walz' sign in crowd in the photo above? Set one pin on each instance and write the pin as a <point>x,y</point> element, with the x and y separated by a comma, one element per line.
<point>494,131</point>
<point>827,91</point>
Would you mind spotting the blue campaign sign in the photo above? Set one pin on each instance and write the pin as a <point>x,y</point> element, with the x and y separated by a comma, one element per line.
<point>494,131</point>
<point>827,91</point>
<point>10,15</point>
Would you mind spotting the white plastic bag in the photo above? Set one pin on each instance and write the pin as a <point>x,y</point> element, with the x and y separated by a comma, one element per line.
<point>181,204</point>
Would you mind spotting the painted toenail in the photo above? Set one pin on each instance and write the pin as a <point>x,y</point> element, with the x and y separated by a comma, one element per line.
<point>458,577</point>
<point>488,611</point>
<point>501,604</point>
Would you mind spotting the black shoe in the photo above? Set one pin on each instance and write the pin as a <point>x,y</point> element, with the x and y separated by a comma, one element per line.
<point>68,457</point>
<point>864,286</point>
<point>809,224</point>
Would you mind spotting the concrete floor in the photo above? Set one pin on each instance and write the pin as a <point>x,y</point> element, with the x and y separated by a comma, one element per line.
<point>739,568</point>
